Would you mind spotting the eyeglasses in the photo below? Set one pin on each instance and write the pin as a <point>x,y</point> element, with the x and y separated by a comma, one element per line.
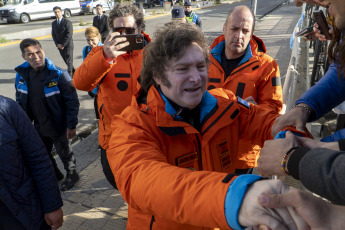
<point>127,30</point>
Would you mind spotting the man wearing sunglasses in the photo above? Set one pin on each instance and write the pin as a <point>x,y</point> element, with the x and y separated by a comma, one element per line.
<point>116,72</point>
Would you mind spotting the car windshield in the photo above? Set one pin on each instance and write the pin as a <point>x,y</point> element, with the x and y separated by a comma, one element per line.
<point>14,2</point>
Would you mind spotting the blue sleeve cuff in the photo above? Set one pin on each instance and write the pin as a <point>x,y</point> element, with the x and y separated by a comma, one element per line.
<point>282,134</point>
<point>234,197</point>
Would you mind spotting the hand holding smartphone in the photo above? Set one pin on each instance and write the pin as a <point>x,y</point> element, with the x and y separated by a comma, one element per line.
<point>320,19</point>
<point>304,31</point>
<point>136,42</point>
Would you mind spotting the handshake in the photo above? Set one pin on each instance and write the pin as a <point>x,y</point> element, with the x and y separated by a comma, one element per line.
<point>271,204</point>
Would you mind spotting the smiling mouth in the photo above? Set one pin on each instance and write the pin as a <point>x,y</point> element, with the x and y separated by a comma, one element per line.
<point>192,89</point>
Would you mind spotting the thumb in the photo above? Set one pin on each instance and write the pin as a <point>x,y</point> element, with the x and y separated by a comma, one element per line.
<point>289,135</point>
<point>274,200</point>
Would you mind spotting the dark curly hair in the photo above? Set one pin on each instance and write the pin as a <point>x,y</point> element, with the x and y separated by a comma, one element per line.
<point>170,42</point>
<point>336,51</point>
<point>124,10</point>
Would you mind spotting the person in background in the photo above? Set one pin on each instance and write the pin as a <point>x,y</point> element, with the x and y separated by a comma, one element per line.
<point>177,14</point>
<point>47,95</point>
<point>100,21</point>
<point>62,33</point>
<point>239,63</point>
<point>191,16</point>
<point>93,37</point>
<point>29,193</point>
<point>115,72</point>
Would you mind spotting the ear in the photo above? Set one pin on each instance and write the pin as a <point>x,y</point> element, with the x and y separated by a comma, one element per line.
<point>23,56</point>
<point>224,28</point>
<point>157,80</point>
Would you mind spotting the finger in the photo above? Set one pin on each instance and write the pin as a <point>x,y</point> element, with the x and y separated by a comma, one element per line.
<point>270,222</point>
<point>298,220</point>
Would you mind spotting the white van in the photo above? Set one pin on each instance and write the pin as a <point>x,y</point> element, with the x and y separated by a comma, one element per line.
<point>89,6</point>
<point>26,10</point>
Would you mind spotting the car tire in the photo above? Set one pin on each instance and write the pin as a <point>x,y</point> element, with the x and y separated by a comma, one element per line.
<point>94,11</point>
<point>24,18</point>
<point>67,13</point>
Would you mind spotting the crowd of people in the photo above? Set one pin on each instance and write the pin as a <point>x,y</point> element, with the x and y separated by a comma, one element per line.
<point>181,126</point>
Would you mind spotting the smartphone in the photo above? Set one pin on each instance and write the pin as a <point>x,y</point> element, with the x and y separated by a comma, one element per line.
<point>320,19</point>
<point>304,31</point>
<point>136,42</point>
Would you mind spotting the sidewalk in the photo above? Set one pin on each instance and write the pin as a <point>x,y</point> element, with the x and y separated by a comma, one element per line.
<point>93,204</point>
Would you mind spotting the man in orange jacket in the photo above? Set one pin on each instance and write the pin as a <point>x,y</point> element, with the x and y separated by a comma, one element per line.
<point>115,72</point>
<point>172,150</point>
<point>239,63</point>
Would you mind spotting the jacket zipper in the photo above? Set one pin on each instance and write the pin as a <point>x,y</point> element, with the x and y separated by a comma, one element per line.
<point>199,152</point>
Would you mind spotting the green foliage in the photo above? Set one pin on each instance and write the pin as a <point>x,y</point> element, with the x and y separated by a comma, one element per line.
<point>217,1</point>
<point>82,23</point>
<point>3,39</point>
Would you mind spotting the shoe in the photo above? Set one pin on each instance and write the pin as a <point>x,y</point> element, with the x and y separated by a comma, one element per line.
<point>58,174</point>
<point>71,179</point>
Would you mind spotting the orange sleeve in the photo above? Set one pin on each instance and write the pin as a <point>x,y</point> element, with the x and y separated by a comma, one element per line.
<point>270,93</point>
<point>149,183</point>
<point>256,124</point>
<point>90,73</point>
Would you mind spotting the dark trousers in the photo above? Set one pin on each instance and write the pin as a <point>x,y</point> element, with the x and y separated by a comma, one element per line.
<point>63,149</point>
<point>106,168</point>
<point>9,222</point>
<point>67,56</point>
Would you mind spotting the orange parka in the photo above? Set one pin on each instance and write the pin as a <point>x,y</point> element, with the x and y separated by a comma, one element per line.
<point>258,76</point>
<point>170,174</point>
<point>118,82</point>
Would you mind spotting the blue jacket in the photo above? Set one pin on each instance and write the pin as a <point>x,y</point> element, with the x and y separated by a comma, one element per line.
<point>325,94</point>
<point>28,186</point>
<point>59,91</point>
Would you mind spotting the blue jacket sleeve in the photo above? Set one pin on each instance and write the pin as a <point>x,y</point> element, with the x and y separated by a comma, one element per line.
<point>70,99</point>
<point>326,94</point>
<point>234,197</point>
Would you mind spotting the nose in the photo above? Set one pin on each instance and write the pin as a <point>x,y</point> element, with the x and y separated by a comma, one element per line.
<point>36,56</point>
<point>195,75</point>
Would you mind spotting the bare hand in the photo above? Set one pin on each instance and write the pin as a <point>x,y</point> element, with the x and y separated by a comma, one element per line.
<point>54,219</point>
<point>317,213</point>
<point>312,144</point>
<point>71,133</point>
<point>297,117</point>
<point>318,33</point>
<point>251,214</point>
<point>60,46</point>
<point>111,46</point>
<point>250,99</point>
<point>272,154</point>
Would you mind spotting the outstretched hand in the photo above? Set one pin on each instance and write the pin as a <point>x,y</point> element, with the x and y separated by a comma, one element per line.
<point>317,213</point>
<point>253,214</point>
<point>297,117</point>
<point>272,154</point>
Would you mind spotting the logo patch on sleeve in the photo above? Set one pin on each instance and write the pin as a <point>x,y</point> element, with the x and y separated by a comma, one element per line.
<point>186,159</point>
<point>224,154</point>
<point>52,84</point>
<point>243,102</point>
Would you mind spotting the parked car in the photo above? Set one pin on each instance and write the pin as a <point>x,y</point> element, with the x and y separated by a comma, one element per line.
<point>26,10</point>
<point>89,6</point>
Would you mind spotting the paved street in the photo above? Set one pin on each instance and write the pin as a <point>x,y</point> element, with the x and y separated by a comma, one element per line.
<point>93,204</point>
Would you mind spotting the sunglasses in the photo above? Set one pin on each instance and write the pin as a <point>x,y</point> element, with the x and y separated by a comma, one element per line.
<point>127,30</point>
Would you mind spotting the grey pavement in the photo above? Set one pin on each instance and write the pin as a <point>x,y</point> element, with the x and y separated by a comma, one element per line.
<point>93,203</point>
